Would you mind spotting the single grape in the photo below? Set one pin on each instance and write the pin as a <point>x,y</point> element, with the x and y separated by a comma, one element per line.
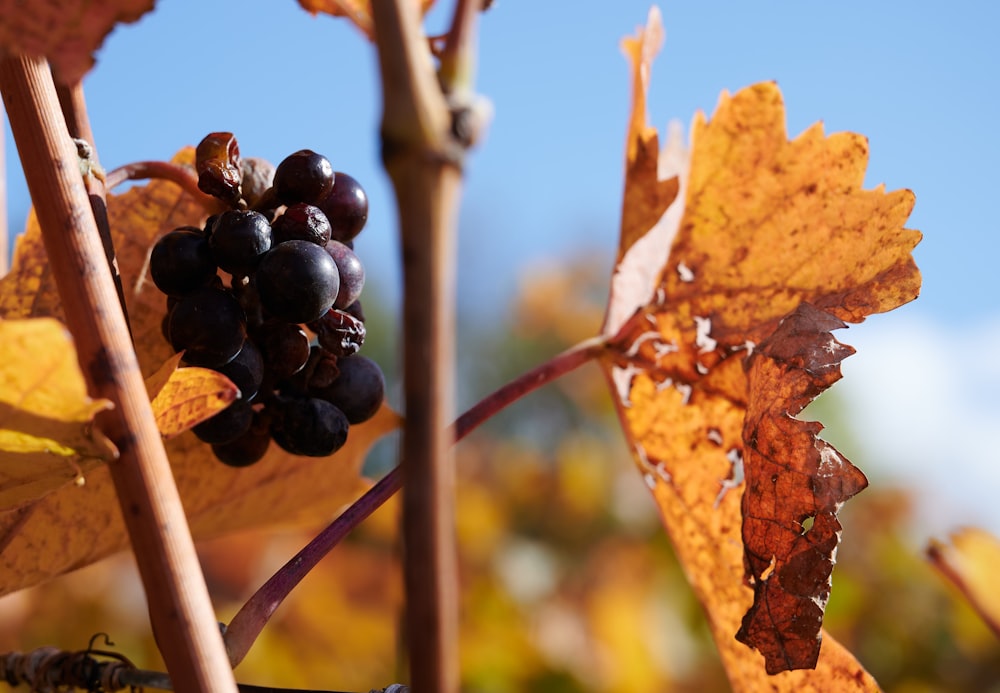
<point>247,448</point>
<point>246,371</point>
<point>228,424</point>
<point>301,222</point>
<point>284,346</point>
<point>297,281</point>
<point>339,332</point>
<point>238,239</point>
<point>320,366</point>
<point>181,261</point>
<point>217,161</point>
<point>310,427</point>
<point>304,176</point>
<point>358,391</point>
<point>258,174</point>
<point>346,206</point>
<point>209,325</point>
<point>351,271</point>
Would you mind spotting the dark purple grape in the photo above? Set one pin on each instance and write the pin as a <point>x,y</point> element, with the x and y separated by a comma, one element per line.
<point>358,391</point>
<point>284,346</point>
<point>304,176</point>
<point>228,424</point>
<point>339,332</point>
<point>238,239</point>
<point>248,448</point>
<point>297,281</point>
<point>181,261</point>
<point>346,206</point>
<point>351,271</point>
<point>209,325</point>
<point>321,366</point>
<point>310,427</point>
<point>246,371</point>
<point>301,222</point>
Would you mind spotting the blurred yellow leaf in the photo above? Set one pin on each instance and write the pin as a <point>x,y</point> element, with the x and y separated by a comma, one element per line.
<point>718,328</point>
<point>47,432</point>
<point>67,32</point>
<point>972,564</point>
<point>188,397</point>
<point>75,526</point>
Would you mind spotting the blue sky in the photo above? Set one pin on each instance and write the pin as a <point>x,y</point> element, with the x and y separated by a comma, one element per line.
<point>919,79</point>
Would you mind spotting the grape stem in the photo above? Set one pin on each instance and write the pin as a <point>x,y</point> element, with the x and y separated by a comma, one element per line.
<point>250,620</point>
<point>163,170</point>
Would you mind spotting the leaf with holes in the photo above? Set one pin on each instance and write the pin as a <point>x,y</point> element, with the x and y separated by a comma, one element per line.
<point>74,526</point>
<point>718,328</point>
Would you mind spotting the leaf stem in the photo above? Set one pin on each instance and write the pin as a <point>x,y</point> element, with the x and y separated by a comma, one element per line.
<point>180,609</point>
<point>165,170</point>
<point>250,620</point>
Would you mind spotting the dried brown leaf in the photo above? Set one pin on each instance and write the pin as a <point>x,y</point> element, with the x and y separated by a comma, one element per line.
<point>761,226</point>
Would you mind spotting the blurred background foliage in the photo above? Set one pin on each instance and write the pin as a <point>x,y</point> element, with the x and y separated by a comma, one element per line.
<point>568,582</point>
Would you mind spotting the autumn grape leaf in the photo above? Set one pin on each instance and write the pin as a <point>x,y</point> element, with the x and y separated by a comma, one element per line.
<point>47,433</point>
<point>67,32</point>
<point>184,397</point>
<point>74,526</point>
<point>359,12</point>
<point>972,563</point>
<point>718,329</point>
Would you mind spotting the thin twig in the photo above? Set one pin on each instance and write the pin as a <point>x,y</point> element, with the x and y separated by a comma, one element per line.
<point>74,108</point>
<point>250,620</point>
<point>180,610</point>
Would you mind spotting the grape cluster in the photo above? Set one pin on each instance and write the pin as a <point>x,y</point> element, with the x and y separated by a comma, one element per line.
<point>267,293</point>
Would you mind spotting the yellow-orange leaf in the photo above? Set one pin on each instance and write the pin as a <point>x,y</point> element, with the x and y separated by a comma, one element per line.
<point>972,564</point>
<point>47,432</point>
<point>67,32</point>
<point>765,232</point>
<point>359,12</point>
<point>73,526</point>
<point>188,396</point>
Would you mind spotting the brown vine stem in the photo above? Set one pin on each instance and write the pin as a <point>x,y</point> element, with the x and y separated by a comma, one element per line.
<point>423,162</point>
<point>180,609</point>
<point>250,620</point>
